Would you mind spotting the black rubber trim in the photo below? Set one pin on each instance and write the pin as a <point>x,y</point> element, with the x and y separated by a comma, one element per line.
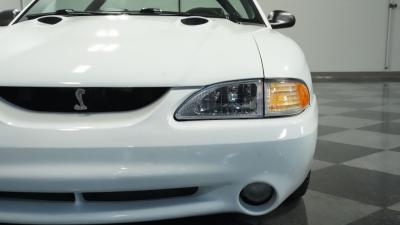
<point>356,76</point>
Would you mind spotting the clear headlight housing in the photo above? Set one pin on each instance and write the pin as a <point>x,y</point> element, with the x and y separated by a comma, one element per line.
<point>247,99</point>
<point>232,100</point>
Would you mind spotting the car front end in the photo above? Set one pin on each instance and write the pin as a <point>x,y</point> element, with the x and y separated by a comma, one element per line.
<point>120,118</point>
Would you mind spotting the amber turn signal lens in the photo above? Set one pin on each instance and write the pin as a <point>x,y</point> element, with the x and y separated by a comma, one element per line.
<point>286,97</point>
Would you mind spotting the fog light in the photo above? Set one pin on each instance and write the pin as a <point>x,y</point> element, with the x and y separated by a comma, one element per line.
<point>257,193</point>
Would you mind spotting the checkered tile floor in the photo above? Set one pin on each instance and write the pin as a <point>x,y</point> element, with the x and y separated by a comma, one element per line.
<point>356,172</point>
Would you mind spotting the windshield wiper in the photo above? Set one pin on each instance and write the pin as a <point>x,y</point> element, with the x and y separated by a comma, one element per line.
<point>70,12</point>
<point>155,11</point>
<point>233,19</point>
<point>144,11</point>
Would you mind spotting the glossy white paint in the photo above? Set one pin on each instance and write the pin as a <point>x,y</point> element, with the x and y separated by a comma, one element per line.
<point>282,57</point>
<point>146,149</point>
<point>149,150</point>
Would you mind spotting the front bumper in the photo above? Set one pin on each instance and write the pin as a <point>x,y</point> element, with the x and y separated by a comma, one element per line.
<point>148,150</point>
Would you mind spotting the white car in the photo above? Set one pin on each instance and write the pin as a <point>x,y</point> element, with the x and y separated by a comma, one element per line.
<point>137,110</point>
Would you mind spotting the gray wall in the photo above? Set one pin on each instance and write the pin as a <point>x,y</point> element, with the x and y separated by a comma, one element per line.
<point>342,35</point>
<point>336,35</point>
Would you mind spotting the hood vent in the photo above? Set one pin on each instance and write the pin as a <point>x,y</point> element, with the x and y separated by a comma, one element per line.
<point>51,20</point>
<point>194,21</point>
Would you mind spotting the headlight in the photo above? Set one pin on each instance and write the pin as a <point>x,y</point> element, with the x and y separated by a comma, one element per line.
<point>232,100</point>
<point>248,99</point>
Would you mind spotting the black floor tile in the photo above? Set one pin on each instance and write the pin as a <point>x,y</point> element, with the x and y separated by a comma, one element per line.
<point>341,96</point>
<point>325,130</point>
<point>291,213</point>
<point>383,217</point>
<point>373,115</point>
<point>387,128</point>
<point>370,187</point>
<point>351,104</point>
<point>337,153</point>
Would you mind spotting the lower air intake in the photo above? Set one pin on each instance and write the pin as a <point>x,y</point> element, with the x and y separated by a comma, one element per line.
<point>56,197</point>
<point>100,196</point>
<point>139,195</point>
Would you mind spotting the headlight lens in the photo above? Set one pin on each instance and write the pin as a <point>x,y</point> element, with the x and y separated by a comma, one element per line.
<point>246,99</point>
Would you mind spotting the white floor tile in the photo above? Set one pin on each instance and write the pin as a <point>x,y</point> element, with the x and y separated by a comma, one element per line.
<point>395,207</point>
<point>375,100</point>
<point>386,108</point>
<point>317,165</point>
<point>346,122</point>
<point>365,138</point>
<point>331,210</point>
<point>332,110</point>
<point>325,100</point>
<point>387,162</point>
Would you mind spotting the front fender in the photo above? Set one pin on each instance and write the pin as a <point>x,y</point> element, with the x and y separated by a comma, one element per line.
<point>282,57</point>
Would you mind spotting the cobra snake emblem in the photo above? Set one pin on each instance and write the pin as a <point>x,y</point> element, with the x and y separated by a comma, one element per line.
<point>79,97</point>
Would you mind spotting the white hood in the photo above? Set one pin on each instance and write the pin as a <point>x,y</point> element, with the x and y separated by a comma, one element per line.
<point>136,51</point>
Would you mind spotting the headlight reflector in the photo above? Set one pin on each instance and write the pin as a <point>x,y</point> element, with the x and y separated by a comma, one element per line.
<point>246,99</point>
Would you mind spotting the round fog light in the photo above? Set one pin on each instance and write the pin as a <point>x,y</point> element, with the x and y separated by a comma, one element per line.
<point>256,193</point>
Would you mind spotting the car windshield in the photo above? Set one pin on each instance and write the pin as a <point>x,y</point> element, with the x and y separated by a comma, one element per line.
<point>237,10</point>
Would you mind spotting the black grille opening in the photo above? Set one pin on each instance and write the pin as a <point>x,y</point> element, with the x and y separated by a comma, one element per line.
<point>139,195</point>
<point>81,100</point>
<point>57,197</point>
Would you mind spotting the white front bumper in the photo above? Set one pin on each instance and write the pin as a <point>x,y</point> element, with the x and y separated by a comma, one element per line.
<point>148,150</point>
